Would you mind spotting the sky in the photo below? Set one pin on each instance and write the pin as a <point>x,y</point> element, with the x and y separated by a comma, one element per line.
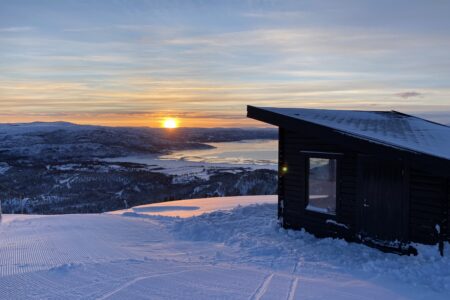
<point>133,63</point>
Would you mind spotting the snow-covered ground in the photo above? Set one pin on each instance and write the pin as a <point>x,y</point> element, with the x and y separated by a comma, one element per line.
<point>224,253</point>
<point>194,207</point>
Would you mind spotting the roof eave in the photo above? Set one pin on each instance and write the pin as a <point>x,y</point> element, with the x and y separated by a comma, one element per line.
<point>273,118</point>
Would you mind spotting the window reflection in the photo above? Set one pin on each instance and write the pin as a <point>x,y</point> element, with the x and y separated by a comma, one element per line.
<point>322,185</point>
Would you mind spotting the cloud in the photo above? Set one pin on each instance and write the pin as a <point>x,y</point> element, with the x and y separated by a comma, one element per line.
<point>411,94</point>
<point>275,15</point>
<point>212,61</point>
<point>16,29</point>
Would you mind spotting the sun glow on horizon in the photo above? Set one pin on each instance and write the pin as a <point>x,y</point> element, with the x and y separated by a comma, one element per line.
<point>170,123</point>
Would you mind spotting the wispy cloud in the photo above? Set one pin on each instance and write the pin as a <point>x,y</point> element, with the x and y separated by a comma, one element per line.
<point>128,61</point>
<point>276,15</point>
<point>16,29</point>
<point>406,95</point>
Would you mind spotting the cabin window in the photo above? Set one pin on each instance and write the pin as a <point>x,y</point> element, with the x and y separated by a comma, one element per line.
<point>322,185</point>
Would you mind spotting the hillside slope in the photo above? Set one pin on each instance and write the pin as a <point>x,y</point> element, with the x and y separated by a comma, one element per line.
<point>148,252</point>
<point>55,168</point>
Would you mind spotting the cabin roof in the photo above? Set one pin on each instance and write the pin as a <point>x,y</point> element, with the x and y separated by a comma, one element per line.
<point>389,128</point>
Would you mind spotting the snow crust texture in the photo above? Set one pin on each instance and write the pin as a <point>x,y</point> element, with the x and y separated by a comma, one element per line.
<point>255,233</point>
<point>233,254</point>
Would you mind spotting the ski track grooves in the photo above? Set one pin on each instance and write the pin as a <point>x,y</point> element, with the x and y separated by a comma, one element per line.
<point>293,288</point>
<point>261,290</point>
<point>124,286</point>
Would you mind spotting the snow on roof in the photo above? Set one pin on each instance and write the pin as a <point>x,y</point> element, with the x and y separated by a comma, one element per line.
<point>385,127</point>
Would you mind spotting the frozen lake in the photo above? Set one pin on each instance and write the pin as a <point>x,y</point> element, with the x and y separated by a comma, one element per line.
<point>247,152</point>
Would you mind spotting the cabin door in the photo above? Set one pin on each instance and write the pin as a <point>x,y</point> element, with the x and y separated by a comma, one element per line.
<point>381,198</point>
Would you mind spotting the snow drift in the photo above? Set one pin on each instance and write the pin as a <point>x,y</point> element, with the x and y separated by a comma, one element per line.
<point>169,251</point>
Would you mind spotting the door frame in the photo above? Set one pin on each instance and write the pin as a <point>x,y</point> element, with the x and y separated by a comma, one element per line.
<point>359,207</point>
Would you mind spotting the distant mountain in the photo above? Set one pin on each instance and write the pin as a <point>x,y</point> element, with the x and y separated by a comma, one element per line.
<point>57,167</point>
<point>62,140</point>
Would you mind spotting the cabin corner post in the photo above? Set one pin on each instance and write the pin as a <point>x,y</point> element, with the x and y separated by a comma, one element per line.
<point>281,165</point>
<point>448,209</point>
<point>406,199</point>
<point>444,234</point>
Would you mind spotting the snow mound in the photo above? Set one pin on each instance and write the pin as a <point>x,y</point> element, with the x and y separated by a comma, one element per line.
<point>254,233</point>
<point>193,207</point>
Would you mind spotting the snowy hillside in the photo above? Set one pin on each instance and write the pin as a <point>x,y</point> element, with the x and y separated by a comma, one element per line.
<point>207,252</point>
<point>53,168</point>
<point>58,141</point>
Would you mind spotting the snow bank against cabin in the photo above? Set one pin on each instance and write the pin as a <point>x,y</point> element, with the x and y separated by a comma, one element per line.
<point>251,230</point>
<point>254,232</point>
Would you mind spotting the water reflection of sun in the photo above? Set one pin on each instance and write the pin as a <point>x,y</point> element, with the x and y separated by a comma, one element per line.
<point>170,123</point>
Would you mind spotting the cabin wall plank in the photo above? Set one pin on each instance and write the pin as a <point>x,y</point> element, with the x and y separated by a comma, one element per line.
<point>428,197</point>
<point>425,195</point>
<point>447,217</point>
<point>294,186</point>
<point>281,186</point>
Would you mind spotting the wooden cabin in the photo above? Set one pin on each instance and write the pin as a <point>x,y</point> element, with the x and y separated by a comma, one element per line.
<point>377,177</point>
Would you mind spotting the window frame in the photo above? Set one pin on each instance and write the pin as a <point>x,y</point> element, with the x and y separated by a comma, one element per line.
<point>326,155</point>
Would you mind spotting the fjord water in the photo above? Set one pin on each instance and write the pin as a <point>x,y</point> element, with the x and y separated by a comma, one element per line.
<point>248,152</point>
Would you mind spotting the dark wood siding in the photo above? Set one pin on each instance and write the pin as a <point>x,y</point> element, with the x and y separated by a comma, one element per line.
<point>428,206</point>
<point>425,200</point>
<point>448,210</point>
<point>347,191</point>
<point>281,187</point>
<point>382,198</point>
<point>294,186</point>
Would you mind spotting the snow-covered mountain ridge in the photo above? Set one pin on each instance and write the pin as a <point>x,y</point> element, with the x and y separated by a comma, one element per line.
<point>51,168</point>
<point>61,140</point>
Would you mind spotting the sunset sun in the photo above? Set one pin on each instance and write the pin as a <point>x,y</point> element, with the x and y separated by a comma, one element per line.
<point>170,123</point>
